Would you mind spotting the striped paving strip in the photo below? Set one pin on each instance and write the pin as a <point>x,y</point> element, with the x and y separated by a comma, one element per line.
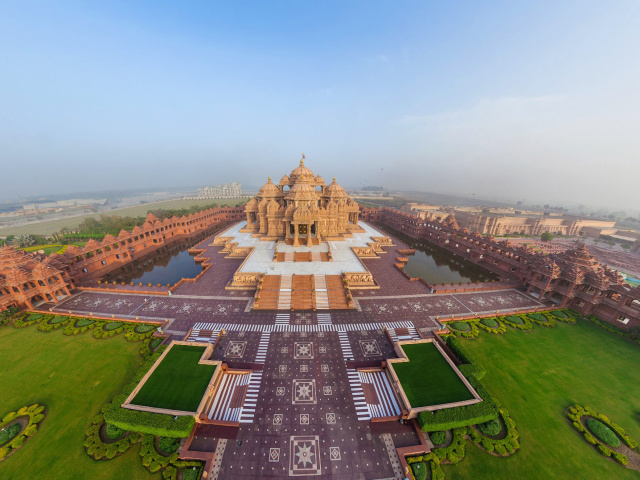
<point>345,345</point>
<point>282,318</point>
<point>251,398</point>
<point>198,335</point>
<point>362,409</point>
<point>395,337</point>
<point>388,404</point>
<point>322,296</point>
<point>222,408</point>
<point>393,456</point>
<point>321,327</point>
<point>324,319</point>
<point>263,346</point>
<point>217,459</point>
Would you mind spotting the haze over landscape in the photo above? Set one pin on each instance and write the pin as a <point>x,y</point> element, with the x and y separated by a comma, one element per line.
<point>506,100</point>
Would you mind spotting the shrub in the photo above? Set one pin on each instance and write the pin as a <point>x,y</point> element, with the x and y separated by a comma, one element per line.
<point>190,474</point>
<point>492,427</point>
<point>438,438</point>
<point>514,319</point>
<point>489,322</point>
<point>419,470</point>
<point>113,432</point>
<point>620,458</point>
<point>454,417</point>
<point>83,322</point>
<point>155,342</point>
<point>112,326</point>
<point>168,445</point>
<point>145,328</point>
<point>9,433</point>
<point>460,326</point>
<point>464,355</point>
<point>603,433</point>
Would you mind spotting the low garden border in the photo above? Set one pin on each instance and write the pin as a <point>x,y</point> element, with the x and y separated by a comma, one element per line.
<point>35,413</point>
<point>576,414</point>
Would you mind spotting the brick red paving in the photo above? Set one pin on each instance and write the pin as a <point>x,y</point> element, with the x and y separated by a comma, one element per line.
<point>305,423</point>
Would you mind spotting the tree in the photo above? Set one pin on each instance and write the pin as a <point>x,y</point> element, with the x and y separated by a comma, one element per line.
<point>546,237</point>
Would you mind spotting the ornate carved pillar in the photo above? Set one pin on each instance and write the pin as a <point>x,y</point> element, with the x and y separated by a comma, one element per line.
<point>296,242</point>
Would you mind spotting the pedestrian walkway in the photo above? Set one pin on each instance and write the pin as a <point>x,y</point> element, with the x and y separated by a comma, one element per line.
<point>201,327</point>
<point>227,402</point>
<point>251,398</point>
<point>263,346</point>
<point>283,318</point>
<point>403,333</point>
<point>324,319</point>
<point>362,409</point>
<point>379,395</point>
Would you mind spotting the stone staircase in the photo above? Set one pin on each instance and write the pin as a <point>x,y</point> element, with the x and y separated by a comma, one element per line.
<point>335,292</point>
<point>322,297</point>
<point>284,294</point>
<point>302,298</point>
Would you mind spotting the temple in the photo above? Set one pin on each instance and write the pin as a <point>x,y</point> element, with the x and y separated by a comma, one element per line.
<point>301,208</point>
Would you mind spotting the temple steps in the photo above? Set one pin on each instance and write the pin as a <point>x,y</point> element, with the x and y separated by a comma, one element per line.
<point>270,292</point>
<point>284,295</point>
<point>336,292</point>
<point>302,298</point>
<point>322,297</point>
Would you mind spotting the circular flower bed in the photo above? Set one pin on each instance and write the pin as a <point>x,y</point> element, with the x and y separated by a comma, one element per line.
<point>603,433</point>
<point>14,436</point>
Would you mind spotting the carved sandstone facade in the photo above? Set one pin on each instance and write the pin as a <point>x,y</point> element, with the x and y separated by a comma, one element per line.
<point>27,280</point>
<point>302,208</point>
<point>572,279</point>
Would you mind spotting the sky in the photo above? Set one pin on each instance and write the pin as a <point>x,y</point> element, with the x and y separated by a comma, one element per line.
<point>534,101</point>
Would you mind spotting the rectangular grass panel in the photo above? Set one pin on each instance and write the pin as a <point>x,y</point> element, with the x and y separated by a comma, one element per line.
<point>178,382</point>
<point>428,379</point>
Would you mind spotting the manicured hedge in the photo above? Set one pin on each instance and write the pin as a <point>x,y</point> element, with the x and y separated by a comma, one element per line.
<point>575,414</point>
<point>519,322</point>
<point>603,433</point>
<point>464,355</point>
<point>9,432</point>
<point>438,438</point>
<point>503,446</point>
<point>113,432</point>
<point>168,445</point>
<point>145,328</point>
<point>432,462</point>
<point>489,322</point>
<point>492,325</point>
<point>419,470</point>
<point>145,422</point>
<point>98,449</point>
<point>112,326</point>
<point>543,319</point>
<point>491,428</point>
<point>462,416</point>
<point>460,326</point>
<point>35,413</point>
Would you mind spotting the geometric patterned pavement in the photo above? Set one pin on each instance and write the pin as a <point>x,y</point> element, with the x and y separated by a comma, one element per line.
<point>305,414</point>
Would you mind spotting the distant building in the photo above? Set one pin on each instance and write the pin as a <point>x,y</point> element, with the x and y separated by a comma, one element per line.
<point>227,190</point>
<point>508,221</point>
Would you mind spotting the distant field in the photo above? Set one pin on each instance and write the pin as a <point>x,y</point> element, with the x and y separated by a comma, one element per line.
<point>53,226</point>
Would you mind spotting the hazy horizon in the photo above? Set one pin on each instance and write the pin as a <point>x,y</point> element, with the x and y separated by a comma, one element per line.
<point>501,100</point>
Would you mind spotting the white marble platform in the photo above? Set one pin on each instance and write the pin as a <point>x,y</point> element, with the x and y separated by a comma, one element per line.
<point>261,259</point>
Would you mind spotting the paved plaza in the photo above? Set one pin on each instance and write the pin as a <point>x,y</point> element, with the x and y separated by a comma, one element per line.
<point>307,410</point>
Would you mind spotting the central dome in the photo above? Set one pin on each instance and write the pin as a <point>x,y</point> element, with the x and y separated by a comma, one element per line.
<point>301,172</point>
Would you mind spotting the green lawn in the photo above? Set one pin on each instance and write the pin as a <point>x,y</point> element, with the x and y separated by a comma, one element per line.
<point>427,379</point>
<point>73,377</point>
<point>536,375</point>
<point>179,382</point>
